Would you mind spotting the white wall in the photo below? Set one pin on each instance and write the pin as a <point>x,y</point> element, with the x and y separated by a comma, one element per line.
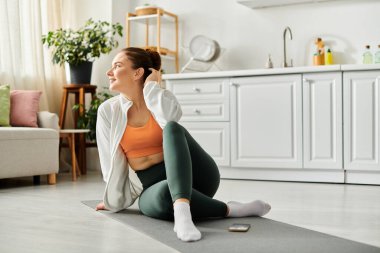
<point>249,35</point>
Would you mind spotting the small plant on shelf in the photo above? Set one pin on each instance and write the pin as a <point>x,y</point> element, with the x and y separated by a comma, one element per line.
<point>79,48</point>
<point>85,44</point>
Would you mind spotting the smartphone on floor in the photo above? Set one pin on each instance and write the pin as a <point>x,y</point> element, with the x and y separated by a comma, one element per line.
<point>239,227</point>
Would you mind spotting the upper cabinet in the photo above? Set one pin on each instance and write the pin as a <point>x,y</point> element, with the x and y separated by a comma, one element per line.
<point>255,4</point>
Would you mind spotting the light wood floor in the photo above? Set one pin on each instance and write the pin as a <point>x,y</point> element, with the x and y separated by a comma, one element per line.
<point>47,218</point>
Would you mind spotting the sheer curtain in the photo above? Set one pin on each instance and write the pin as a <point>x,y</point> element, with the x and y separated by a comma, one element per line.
<point>24,62</point>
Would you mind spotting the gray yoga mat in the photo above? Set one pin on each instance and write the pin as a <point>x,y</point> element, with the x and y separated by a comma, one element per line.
<point>264,236</point>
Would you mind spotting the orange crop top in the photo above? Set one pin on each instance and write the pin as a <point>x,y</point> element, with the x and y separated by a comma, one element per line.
<point>142,141</point>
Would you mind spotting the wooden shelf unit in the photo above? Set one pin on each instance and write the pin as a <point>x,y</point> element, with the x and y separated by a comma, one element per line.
<point>160,17</point>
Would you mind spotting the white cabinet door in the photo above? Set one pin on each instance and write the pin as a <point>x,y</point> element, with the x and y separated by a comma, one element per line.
<point>266,122</point>
<point>213,137</point>
<point>361,120</point>
<point>322,120</point>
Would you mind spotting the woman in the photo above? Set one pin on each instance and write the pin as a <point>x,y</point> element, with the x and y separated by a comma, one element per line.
<point>139,129</point>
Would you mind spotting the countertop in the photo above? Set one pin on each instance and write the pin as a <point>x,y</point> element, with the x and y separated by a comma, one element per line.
<point>273,71</point>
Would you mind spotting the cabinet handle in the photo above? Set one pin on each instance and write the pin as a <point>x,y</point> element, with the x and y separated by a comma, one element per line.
<point>235,84</point>
<point>305,80</point>
<point>197,111</point>
<point>196,89</point>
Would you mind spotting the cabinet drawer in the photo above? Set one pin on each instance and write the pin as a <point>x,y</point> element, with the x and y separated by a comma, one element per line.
<point>199,89</point>
<point>213,137</point>
<point>204,111</point>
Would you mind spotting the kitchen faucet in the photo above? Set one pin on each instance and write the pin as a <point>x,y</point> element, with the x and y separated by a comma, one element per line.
<point>285,64</point>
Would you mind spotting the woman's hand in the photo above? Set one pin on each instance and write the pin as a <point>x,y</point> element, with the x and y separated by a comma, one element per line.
<point>100,206</point>
<point>154,76</point>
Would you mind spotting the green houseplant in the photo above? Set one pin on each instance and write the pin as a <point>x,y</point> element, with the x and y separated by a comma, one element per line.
<point>79,48</point>
<point>88,119</point>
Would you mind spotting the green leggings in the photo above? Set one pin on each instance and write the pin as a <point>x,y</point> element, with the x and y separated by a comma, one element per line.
<point>187,172</point>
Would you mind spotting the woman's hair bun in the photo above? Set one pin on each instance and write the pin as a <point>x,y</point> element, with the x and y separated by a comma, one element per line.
<point>155,58</point>
<point>143,58</point>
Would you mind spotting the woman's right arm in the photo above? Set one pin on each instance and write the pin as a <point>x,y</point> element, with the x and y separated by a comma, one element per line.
<point>103,127</point>
<point>102,139</point>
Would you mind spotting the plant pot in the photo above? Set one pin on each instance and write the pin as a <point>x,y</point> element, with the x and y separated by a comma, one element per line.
<point>81,73</point>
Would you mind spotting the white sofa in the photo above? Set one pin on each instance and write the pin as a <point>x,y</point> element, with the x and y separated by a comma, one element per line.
<point>29,151</point>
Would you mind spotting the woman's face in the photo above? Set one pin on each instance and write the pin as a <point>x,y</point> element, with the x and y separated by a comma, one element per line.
<point>121,75</point>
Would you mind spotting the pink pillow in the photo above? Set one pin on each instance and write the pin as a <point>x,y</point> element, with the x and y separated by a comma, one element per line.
<point>24,107</point>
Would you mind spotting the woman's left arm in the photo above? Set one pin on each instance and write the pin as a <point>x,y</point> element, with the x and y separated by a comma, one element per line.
<point>162,103</point>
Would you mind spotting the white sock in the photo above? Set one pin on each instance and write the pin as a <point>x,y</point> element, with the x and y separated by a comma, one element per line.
<point>183,223</point>
<point>254,208</point>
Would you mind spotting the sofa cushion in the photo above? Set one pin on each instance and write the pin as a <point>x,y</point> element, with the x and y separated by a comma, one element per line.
<point>24,107</point>
<point>48,120</point>
<point>4,105</point>
<point>27,133</point>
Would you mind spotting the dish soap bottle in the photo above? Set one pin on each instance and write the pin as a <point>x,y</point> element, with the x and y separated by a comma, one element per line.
<point>377,55</point>
<point>329,57</point>
<point>367,55</point>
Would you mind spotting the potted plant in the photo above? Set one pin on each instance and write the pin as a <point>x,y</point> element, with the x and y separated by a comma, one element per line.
<point>88,119</point>
<point>80,47</point>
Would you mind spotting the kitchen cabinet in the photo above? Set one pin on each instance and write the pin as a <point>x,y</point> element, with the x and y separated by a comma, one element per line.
<point>313,124</point>
<point>206,113</point>
<point>361,126</point>
<point>266,121</point>
<point>155,22</point>
<point>322,120</point>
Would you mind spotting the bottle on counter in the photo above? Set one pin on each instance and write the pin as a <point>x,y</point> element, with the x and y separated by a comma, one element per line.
<point>318,59</point>
<point>367,55</point>
<point>319,56</point>
<point>377,55</point>
<point>328,57</point>
<point>269,63</point>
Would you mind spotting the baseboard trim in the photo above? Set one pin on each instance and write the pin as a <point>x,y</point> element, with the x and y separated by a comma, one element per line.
<point>273,174</point>
<point>363,177</point>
